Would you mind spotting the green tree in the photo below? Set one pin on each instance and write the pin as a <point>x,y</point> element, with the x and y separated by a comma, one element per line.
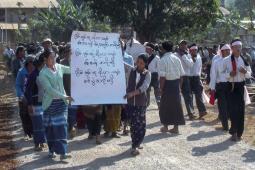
<point>246,8</point>
<point>59,21</point>
<point>153,19</point>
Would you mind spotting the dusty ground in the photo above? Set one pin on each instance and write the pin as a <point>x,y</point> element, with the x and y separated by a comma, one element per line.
<point>199,146</point>
<point>7,106</point>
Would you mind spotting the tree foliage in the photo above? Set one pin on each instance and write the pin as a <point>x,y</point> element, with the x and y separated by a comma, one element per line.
<point>246,8</point>
<point>59,21</point>
<point>226,27</point>
<point>153,19</point>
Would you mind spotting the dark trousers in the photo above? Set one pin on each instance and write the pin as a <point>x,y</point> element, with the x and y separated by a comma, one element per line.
<point>222,95</point>
<point>187,95</point>
<point>236,108</point>
<point>72,116</point>
<point>138,124</point>
<point>155,85</point>
<point>25,118</point>
<point>197,89</point>
<point>94,125</point>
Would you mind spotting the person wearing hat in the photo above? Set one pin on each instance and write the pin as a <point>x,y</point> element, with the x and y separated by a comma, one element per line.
<point>237,70</point>
<point>47,44</point>
<point>171,73</point>
<point>20,90</point>
<point>219,84</point>
<point>153,67</point>
<point>195,82</point>
<point>187,64</point>
<point>34,95</point>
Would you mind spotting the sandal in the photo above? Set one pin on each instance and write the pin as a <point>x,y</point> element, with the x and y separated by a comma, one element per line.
<point>90,137</point>
<point>163,130</point>
<point>98,141</point>
<point>38,148</point>
<point>106,134</point>
<point>115,135</point>
<point>64,157</point>
<point>140,147</point>
<point>125,133</point>
<point>135,152</point>
<point>174,131</point>
<point>51,155</point>
<point>202,115</point>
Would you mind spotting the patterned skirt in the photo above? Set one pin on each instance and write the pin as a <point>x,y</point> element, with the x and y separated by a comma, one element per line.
<point>138,124</point>
<point>55,123</point>
<point>38,128</point>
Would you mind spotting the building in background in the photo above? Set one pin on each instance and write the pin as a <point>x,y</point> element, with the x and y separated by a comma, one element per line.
<point>15,14</point>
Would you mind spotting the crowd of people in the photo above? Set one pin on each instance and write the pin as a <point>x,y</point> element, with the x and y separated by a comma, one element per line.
<point>42,73</point>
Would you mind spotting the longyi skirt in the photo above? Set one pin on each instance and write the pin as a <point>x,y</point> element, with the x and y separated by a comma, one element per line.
<point>171,112</point>
<point>55,122</point>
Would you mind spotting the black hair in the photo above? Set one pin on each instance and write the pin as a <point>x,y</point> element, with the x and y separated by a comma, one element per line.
<point>39,60</point>
<point>151,45</point>
<point>194,44</point>
<point>168,46</point>
<point>215,46</point>
<point>222,44</point>
<point>47,53</point>
<point>19,49</point>
<point>143,57</point>
<point>156,47</point>
<point>234,40</point>
<point>67,48</point>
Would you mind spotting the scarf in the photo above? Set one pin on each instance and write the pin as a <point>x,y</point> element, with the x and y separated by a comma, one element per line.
<point>150,59</point>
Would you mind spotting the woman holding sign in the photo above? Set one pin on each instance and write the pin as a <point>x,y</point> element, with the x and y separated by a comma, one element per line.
<point>54,105</point>
<point>139,81</point>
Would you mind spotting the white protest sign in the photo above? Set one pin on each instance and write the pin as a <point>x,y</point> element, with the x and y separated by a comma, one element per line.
<point>97,69</point>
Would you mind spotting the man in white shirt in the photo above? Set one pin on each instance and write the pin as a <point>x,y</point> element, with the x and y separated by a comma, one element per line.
<point>195,82</point>
<point>187,63</point>
<point>237,70</point>
<point>153,67</point>
<point>171,73</point>
<point>219,84</point>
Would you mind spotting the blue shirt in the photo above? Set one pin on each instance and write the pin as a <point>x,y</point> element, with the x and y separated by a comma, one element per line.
<point>21,81</point>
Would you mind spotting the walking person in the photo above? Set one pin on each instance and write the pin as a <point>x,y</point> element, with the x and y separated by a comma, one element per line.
<point>195,82</point>
<point>187,64</point>
<point>237,70</point>
<point>138,83</point>
<point>20,92</point>
<point>153,67</point>
<point>72,110</point>
<point>171,73</point>
<point>34,94</point>
<point>219,85</point>
<point>54,105</point>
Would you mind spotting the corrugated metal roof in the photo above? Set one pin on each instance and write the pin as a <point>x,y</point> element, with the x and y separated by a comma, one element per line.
<point>27,3</point>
